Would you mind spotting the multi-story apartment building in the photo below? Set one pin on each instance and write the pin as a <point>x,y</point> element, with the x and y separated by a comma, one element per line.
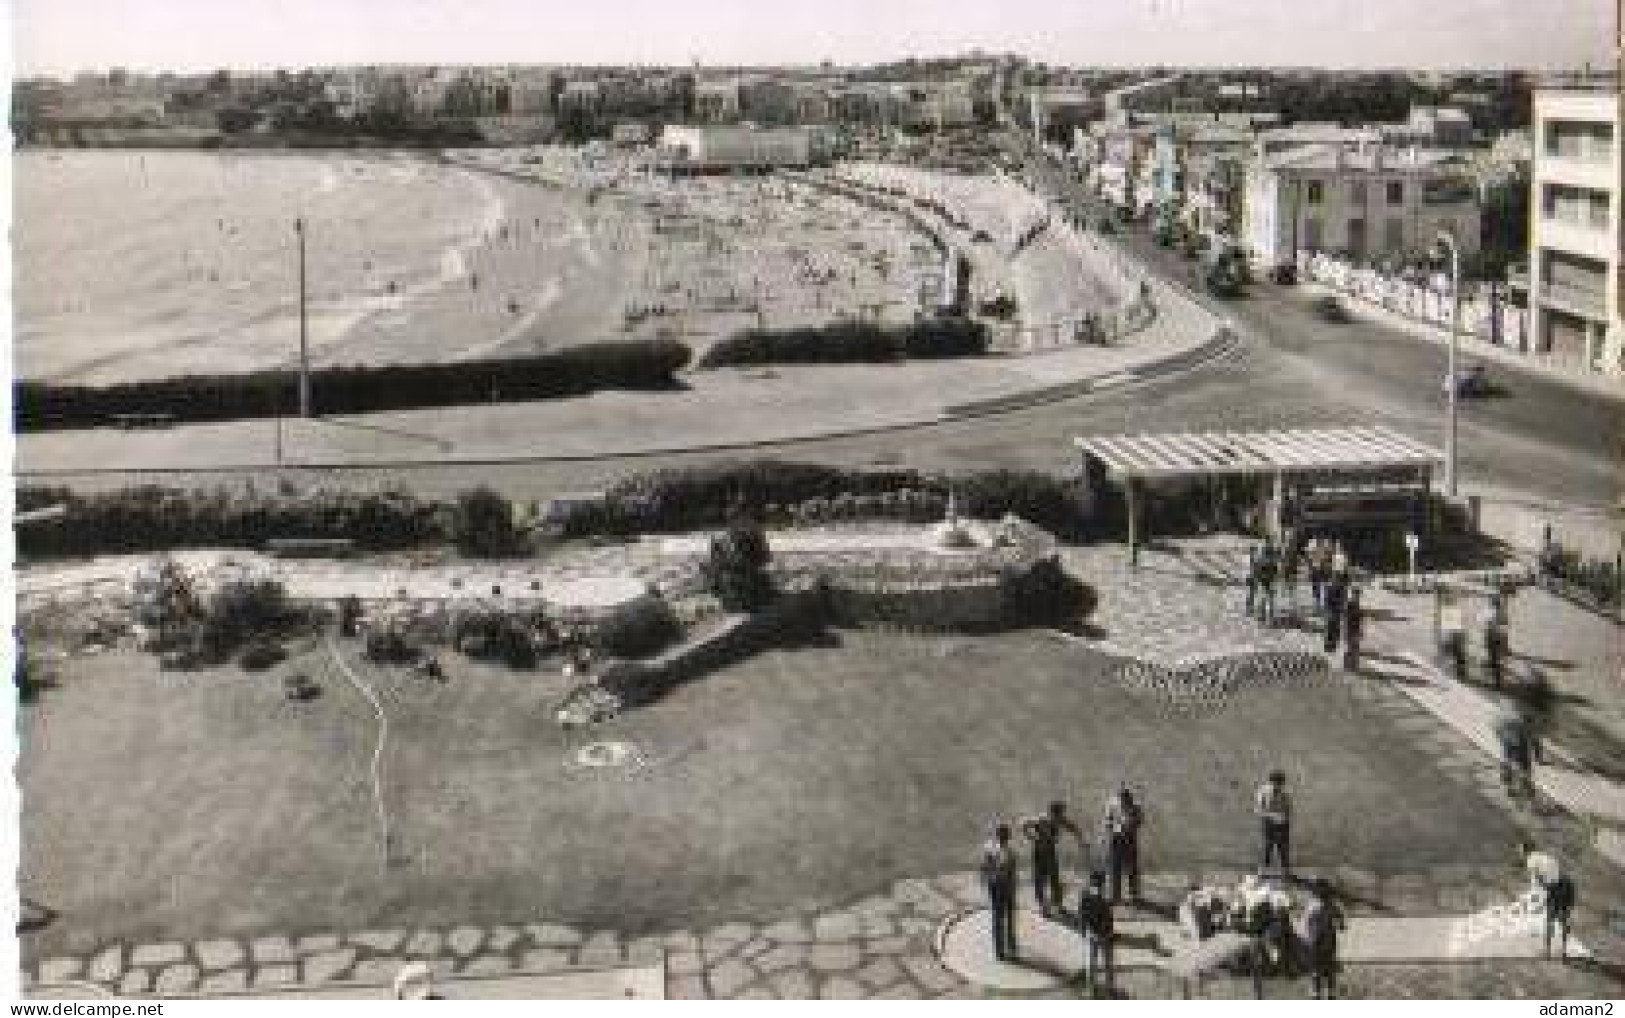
<point>1369,204</point>
<point>1575,272</point>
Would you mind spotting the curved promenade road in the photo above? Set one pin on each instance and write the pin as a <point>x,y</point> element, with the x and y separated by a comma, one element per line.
<point>1538,435</point>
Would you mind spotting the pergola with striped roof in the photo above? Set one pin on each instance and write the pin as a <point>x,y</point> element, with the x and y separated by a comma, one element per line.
<point>1276,454</point>
<point>1303,450</point>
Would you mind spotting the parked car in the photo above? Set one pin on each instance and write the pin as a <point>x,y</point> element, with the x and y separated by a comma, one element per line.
<point>1329,309</point>
<point>1471,380</point>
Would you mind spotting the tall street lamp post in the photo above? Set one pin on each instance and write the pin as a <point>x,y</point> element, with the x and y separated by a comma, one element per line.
<point>1448,243</point>
<point>304,342</point>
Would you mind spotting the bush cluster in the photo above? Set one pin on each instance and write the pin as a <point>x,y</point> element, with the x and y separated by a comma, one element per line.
<point>1598,579</point>
<point>152,518</point>
<point>688,498</point>
<point>851,342</point>
<point>573,371</point>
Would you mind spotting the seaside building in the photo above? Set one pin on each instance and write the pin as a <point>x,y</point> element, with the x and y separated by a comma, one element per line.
<point>717,102</point>
<point>1433,126</point>
<point>1374,203</point>
<point>712,148</point>
<point>1140,97</point>
<point>1575,261</point>
<point>1061,109</point>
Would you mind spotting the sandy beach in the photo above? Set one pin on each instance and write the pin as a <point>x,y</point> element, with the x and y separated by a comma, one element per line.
<point>185,263</point>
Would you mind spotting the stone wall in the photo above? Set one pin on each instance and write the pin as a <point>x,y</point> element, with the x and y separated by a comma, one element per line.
<point>1492,322</point>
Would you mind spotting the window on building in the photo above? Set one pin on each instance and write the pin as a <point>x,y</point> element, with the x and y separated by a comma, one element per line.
<point>1316,192</point>
<point>1396,192</point>
<point>1575,206</point>
<point>1572,139</point>
<point>1357,192</point>
<point>1579,283</point>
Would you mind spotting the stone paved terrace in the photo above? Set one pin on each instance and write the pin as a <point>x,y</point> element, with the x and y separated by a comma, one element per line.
<point>882,946</point>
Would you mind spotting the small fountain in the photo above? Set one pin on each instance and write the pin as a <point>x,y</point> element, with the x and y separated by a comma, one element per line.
<point>952,532</point>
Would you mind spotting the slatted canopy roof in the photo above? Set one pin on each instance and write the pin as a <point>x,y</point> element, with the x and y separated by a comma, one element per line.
<point>1195,454</point>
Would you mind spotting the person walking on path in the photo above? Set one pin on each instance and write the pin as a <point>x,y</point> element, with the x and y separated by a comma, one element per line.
<point>1495,647</point>
<point>1124,818</point>
<point>1336,602</point>
<point>1291,566</point>
<point>999,875</point>
<point>1340,559</point>
<point>1318,557</point>
<point>1559,900</point>
<point>1520,751</point>
<point>1096,926</point>
<point>1273,806</point>
<point>1322,920</point>
<point>1269,568</point>
<point>1254,557</point>
<point>1353,629</point>
<point>1044,832</point>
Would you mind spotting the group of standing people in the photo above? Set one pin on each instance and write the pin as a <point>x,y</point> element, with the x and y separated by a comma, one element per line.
<point>1273,570</point>
<point>1120,835</point>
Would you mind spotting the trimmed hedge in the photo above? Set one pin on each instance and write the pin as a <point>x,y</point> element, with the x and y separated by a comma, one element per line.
<point>573,371</point>
<point>851,342</point>
<point>688,498</point>
<point>152,518</point>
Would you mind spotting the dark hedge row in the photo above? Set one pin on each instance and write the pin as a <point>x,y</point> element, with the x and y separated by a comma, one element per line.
<point>154,518</point>
<point>577,370</point>
<point>851,342</point>
<point>685,498</point>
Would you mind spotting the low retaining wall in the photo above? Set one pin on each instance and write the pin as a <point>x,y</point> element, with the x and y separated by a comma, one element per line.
<point>1493,322</point>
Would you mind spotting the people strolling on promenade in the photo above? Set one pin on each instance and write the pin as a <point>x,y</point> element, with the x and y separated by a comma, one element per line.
<point>998,868</point>
<point>1273,806</point>
<point>1124,818</point>
<point>1044,832</point>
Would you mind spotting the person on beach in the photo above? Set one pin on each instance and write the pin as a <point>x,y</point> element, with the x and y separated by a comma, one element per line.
<point>998,868</point>
<point>1044,832</point>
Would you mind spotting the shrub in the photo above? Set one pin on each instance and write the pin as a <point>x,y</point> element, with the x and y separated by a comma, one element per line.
<point>495,635</point>
<point>851,342</point>
<point>1050,502</point>
<point>240,610</point>
<point>262,654</point>
<point>577,370</point>
<point>637,633</point>
<point>150,517</point>
<point>483,524</point>
<point>1047,595</point>
<point>736,571</point>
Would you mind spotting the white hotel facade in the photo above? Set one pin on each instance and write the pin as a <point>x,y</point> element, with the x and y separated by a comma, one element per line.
<point>1575,259</point>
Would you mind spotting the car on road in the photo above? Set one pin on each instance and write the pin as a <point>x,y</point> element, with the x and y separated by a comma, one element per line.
<point>1471,380</point>
<point>1329,309</point>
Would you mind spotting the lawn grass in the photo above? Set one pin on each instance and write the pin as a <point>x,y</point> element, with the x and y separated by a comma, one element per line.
<point>185,806</point>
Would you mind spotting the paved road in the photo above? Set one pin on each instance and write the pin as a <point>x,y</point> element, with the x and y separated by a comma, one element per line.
<point>1535,434</point>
